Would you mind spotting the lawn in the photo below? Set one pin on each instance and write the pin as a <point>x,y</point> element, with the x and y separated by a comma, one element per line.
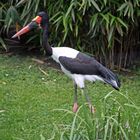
<point>36,103</point>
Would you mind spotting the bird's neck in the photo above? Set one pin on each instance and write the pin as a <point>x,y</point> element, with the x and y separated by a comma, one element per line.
<point>46,45</point>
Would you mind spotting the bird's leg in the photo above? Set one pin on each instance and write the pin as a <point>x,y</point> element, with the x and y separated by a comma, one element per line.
<point>75,106</point>
<point>92,109</point>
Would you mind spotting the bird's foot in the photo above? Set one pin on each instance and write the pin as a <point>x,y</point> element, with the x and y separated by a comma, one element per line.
<point>92,109</point>
<point>75,107</point>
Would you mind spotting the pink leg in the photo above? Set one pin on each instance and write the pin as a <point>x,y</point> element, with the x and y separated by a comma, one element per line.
<point>92,109</point>
<point>75,107</point>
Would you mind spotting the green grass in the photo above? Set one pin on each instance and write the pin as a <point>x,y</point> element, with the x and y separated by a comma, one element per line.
<point>35,106</point>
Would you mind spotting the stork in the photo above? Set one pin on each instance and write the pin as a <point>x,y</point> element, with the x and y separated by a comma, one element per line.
<point>76,65</point>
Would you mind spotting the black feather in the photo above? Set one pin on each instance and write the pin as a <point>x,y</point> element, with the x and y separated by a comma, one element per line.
<point>86,65</point>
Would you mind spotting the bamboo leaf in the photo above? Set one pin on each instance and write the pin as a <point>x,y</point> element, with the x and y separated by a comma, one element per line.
<point>110,35</point>
<point>54,16</point>
<point>36,5</point>
<point>58,19</point>
<point>131,11</point>
<point>3,44</point>
<point>65,22</point>
<point>119,29</point>
<point>138,12</point>
<point>31,38</point>
<point>21,2</point>
<point>122,7</point>
<point>29,3</point>
<point>69,10</point>
<point>95,5</point>
<point>105,17</point>
<point>79,17</point>
<point>1,11</point>
<point>70,25</point>
<point>112,20</point>
<point>126,10</point>
<point>83,6</point>
<point>65,35</point>
<point>137,2</point>
<point>45,3</point>
<point>73,15</point>
<point>105,2</point>
<point>93,21</point>
<point>76,30</point>
<point>122,22</point>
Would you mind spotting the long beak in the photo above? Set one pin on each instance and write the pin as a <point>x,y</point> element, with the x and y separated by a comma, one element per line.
<point>26,29</point>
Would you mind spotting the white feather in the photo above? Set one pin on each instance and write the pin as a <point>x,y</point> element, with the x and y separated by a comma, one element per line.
<point>114,83</point>
<point>63,51</point>
<point>77,78</point>
<point>80,79</point>
<point>93,78</point>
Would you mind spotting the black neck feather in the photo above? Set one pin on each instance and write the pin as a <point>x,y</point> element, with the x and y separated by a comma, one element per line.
<point>46,45</point>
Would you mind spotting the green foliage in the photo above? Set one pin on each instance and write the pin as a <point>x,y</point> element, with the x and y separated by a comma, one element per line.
<point>88,25</point>
<point>118,119</point>
<point>2,44</point>
<point>36,103</point>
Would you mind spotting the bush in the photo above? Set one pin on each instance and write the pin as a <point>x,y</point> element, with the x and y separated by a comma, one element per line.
<point>108,29</point>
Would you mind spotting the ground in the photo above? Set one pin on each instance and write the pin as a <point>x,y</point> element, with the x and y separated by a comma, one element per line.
<point>36,102</point>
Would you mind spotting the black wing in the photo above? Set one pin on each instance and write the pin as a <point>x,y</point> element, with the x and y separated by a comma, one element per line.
<point>86,65</point>
<point>82,64</point>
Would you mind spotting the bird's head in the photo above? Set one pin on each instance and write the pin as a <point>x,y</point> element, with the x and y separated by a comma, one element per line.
<point>39,21</point>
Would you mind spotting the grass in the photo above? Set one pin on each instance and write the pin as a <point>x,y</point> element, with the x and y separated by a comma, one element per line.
<point>37,106</point>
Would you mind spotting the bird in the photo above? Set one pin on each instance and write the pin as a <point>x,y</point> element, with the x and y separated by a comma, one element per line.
<point>75,64</point>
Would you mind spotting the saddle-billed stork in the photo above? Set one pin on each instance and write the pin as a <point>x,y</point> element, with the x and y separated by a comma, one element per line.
<point>78,66</point>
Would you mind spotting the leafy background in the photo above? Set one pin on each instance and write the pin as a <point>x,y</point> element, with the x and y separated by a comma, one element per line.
<point>109,29</point>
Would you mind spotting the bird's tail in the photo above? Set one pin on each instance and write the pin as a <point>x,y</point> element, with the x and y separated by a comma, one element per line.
<point>110,78</point>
